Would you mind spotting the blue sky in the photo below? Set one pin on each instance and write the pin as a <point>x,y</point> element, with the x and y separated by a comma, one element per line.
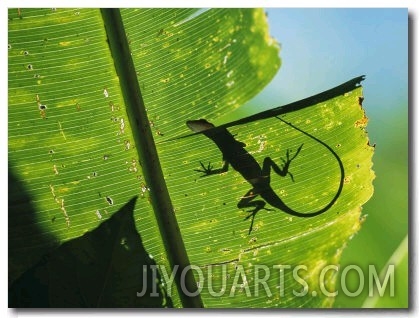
<point>321,48</point>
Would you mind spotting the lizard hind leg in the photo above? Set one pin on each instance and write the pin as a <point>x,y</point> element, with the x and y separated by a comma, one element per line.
<point>257,205</point>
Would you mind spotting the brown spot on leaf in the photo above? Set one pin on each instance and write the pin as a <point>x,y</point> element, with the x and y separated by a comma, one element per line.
<point>361,123</point>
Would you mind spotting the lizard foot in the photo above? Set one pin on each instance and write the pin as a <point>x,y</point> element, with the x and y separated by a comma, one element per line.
<point>206,170</point>
<point>253,213</point>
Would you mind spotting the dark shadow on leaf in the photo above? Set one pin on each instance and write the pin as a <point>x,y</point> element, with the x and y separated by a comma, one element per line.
<point>26,242</point>
<point>105,267</point>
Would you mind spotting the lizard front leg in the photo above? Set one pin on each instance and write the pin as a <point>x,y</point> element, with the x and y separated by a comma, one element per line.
<point>284,170</point>
<point>208,171</point>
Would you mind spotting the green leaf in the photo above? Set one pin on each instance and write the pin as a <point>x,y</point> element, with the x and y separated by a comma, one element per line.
<point>396,270</point>
<point>80,148</point>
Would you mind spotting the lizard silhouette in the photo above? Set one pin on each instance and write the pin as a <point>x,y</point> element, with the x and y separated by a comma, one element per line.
<point>235,154</point>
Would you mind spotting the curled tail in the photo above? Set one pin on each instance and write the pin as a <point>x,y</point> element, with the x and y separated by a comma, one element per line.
<point>290,211</point>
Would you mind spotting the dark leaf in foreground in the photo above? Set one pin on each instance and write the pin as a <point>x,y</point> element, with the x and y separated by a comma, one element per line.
<point>102,268</point>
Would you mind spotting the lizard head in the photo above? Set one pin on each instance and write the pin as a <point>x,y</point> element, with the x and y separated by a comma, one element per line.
<point>199,125</point>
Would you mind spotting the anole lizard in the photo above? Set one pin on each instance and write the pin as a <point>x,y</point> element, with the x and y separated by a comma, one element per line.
<point>235,154</point>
